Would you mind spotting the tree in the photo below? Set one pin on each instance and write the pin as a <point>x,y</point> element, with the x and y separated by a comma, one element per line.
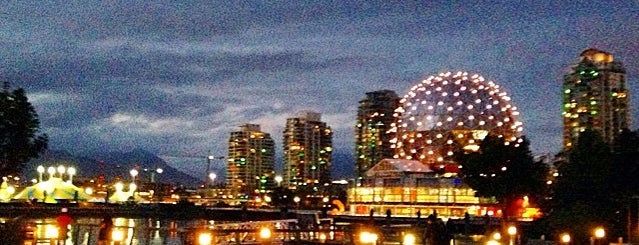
<point>584,194</point>
<point>504,171</point>
<point>20,138</point>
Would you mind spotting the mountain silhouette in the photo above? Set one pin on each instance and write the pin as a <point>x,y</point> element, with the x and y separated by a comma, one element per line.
<point>113,165</point>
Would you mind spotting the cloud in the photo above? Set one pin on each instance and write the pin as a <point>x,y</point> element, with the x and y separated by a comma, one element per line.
<point>178,77</point>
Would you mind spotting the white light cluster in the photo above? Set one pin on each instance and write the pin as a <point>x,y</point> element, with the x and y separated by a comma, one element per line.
<point>449,109</point>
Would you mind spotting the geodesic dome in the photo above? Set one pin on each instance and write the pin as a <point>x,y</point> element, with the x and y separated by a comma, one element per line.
<point>449,110</point>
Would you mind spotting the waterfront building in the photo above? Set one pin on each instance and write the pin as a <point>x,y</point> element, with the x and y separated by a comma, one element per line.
<point>307,151</point>
<point>595,97</point>
<point>251,160</point>
<point>374,119</point>
<point>407,186</point>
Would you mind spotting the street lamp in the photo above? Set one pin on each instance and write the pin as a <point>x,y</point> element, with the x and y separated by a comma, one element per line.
<point>212,176</point>
<point>208,169</point>
<point>409,239</point>
<point>133,172</point>
<point>71,172</point>
<point>40,172</point>
<point>565,238</point>
<point>366,237</point>
<point>297,200</point>
<point>512,231</point>
<point>205,238</point>
<point>61,171</point>
<point>279,180</point>
<point>496,236</point>
<point>158,171</point>
<point>599,234</point>
<point>51,172</point>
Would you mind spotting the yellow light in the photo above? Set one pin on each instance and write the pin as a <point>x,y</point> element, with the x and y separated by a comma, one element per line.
<point>565,238</point>
<point>409,239</point>
<point>117,235</point>
<point>600,232</point>
<point>512,230</point>
<point>51,232</point>
<point>322,237</point>
<point>367,237</point>
<point>497,236</point>
<point>204,238</point>
<point>265,233</point>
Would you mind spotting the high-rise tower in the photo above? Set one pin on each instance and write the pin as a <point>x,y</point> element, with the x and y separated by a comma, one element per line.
<point>595,97</point>
<point>307,150</point>
<point>374,119</point>
<point>251,161</point>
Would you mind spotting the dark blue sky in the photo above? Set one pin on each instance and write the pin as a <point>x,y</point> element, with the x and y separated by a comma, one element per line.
<point>175,78</point>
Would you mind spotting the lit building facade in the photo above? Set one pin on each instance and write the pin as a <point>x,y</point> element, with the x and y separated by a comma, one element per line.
<point>374,119</point>
<point>595,97</point>
<point>307,151</point>
<point>407,186</point>
<point>251,159</point>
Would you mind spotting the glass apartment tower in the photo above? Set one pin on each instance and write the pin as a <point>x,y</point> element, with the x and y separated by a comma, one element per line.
<point>307,151</point>
<point>251,160</point>
<point>595,97</point>
<point>374,119</point>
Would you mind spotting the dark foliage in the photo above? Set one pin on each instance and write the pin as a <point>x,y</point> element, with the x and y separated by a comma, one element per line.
<point>504,171</point>
<point>20,139</point>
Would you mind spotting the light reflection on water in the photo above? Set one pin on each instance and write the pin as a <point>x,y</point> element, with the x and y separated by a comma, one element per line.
<point>134,231</point>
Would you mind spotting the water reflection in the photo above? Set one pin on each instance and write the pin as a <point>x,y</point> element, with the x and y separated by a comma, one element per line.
<point>126,231</point>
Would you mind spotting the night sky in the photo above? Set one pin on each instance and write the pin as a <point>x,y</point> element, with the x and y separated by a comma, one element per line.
<point>176,78</point>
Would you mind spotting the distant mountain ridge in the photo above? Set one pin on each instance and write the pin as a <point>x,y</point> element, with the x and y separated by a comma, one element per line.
<point>119,164</point>
<point>112,165</point>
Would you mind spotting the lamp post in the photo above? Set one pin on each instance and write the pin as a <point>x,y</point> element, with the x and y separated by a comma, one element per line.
<point>158,171</point>
<point>600,233</point>
<point>51,172</point>
<point>512,232</point>
<point>40,172</point>
<point>297,200</point>
<point>71,172</point>
<point>208,169</point>
<point>133,172</point>
<point>279,180</point>
<point>212,176</point>
<point>155,185</point>
<point>61,171</point>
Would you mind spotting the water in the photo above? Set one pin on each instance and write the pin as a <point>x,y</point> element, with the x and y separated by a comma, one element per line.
<point>127,231</point>
<point>149,231</point>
